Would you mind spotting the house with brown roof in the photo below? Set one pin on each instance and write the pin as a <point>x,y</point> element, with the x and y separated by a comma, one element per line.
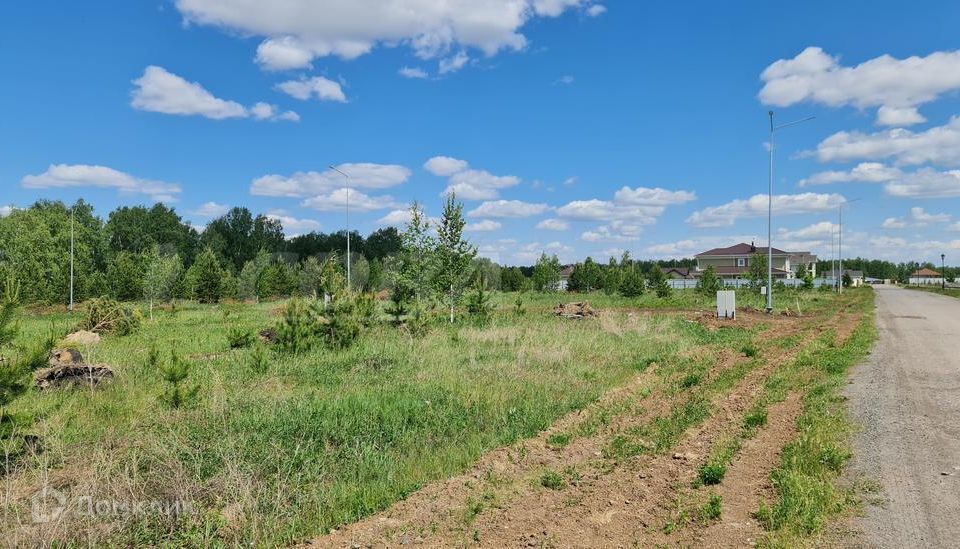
<point>564,281</point>
<point>925,276</point>
<point>735,261</point>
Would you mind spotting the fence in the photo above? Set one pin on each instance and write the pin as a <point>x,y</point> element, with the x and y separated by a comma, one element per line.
<point>689,283</point>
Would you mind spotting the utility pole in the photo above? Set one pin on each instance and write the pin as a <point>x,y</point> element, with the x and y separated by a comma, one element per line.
<point>943,272</point>
<point>348,223</point>
<point>72,216</point>
<point>840,250</point>
<point>770,209</point>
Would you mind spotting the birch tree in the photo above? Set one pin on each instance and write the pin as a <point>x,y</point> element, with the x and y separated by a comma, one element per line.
<point>452,254</point>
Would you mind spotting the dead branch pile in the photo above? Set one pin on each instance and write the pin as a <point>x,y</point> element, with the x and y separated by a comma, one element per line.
<point>576,311</point>
<point>67,368</point>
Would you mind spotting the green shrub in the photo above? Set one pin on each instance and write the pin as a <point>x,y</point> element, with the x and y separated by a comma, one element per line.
<point>106,315</point>
<point>343,323</point>
<point>175,373</point>
<point>299,327</point>
<point>755,419</point>
<point>749,350</point>
<point>552,480</point>
<point>259,363</point>
<point>711,473</point>
<point>713,508</point>
<point>239,338</point>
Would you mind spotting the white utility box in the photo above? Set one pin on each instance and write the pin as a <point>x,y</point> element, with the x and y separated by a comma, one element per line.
<point>727,304</point>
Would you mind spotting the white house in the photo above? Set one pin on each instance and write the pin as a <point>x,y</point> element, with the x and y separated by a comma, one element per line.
<point>925,276</point>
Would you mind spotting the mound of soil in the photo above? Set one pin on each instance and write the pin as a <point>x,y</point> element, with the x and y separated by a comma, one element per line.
<point>576,311</point>
<point>82,337</point>
<point>67,368</point>
<point>269,336</point>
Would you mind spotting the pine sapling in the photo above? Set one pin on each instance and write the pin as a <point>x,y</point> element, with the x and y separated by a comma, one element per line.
<point>177,393</point>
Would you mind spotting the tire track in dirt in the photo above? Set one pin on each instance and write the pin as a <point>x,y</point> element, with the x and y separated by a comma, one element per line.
<point>613,502</point>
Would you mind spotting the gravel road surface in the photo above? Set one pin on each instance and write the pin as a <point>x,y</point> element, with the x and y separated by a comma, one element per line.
<point>907,398</point>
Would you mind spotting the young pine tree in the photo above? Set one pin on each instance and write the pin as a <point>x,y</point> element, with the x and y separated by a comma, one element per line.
<point>175,373</point>
<point>632,283</point>
<point>709,284</point>
<point>478,301</point>
<point>658,282</point>
<point>206,277</point>
<point>452,254</point>
<point>12,374</point>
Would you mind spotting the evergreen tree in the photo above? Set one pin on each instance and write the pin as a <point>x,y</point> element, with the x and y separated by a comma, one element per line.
<point>757,274</point>
<point>125,277</point>
<point>452,254</point>
<point>248,283</point>
<point>333,282</point>
<point>478,301</point>
<point>175,373</point>
<point>311,275</point>
<point>631,285</point>
<point>658,282</point>
<point>709,284</point>
<point>206,277</point>
<point>512,280</point>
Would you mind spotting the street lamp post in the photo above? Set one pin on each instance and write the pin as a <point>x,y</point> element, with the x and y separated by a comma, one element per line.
<point>348,223</point>
<point>773,129</point>
<point>943,272</point>
<point>72,216</point>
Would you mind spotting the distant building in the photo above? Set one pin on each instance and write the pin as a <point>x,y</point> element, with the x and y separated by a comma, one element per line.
<point>925,276</point>
<point>564,281</point>
<point>856,277</point>
<point>735,261</point>
<point>678,272</point>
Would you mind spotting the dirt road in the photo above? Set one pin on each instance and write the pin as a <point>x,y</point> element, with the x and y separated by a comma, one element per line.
<point>907,397</point>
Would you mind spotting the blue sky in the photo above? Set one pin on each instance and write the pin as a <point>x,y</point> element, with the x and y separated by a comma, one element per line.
<point>578,127</point>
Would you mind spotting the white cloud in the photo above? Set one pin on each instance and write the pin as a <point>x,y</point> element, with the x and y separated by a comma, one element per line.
<point>596,10</point>
<point>888,242</point>
<point>894,223</point>
<point>727,214</point>
<point>297,31</point>
<point>413,72</point>
<point>6,210</point>
<point>553,224</point>
<point>293,226</point>
<point>954,227</point>
<point>566,79</point>
<point>211,209</point>
<point>939,145</point>
<point>615,231</point>
<point>923,217</point>
<point>643,196</point>
<point>453,63</point>
<point>445,166</point>
<point>466,183</point>
<point>339,199</point>
<point>926,183</point>
<point>83,175</point>
<point>485,225</point>
<point>508,209</point>
<point>897,86</point>
<point>692,246</point>
<point>301,184</point>
<point>866,172</point>
<point>823,229</point>
<point>319,87</point>
<point>605,210</point>
<point>396,218</point>
<point>159,90</point>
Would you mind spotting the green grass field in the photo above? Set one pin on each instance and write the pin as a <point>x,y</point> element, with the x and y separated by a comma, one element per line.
<point>276,456</point>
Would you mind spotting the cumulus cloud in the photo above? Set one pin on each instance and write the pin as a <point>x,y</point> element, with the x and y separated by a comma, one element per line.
<point>395,218</point>
<point>897,86</point>
<point>508,209</point>
<point>293,226</point>
<point>211,209</point>
<point>921,216</point>
<point>485,225</point>
<point>467,183</point>
<point>302,184</point>
<point>83,175</point>
<point>643,196</point>
<point>6,210</point>
<point>938,145</point>
<point>596,10</point>
<point>453,63</point>
<point>954,227</point>
<point>296,32</point>
<point>159,90</point>
<point>691,246</point>
<point>318,87</point>
<point>727,214</point>
<point>339,199</point>
<point>866,172</point>
<point>823,229</point>
<point>553,224</point>
<point>615,231</point>
<point>413,72</point>
<point>894,223</point>
<point>603,210</point>
<point>926,183</point>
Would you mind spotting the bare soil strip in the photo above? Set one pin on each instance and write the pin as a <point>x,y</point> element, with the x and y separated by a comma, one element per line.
<point>501,502</point>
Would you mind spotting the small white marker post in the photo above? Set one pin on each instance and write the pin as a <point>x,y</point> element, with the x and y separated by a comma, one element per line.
<point>727,304</point>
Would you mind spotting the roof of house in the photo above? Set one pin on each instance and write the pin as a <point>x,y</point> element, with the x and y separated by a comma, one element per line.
<point>739,249</point>
<point>731,270</point>
<point>566,271</point>
<point>925,272</point>
<point>682,271</point>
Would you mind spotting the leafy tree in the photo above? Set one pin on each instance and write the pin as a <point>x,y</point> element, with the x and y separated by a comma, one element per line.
<point>238,236</point>
<point>206,277</point>
<point>586,277</point>
<point>808,280</point>
<point>161,277</point>
<point>492,273</point>
<point>332,279</point>
<point>757,274</point>
<point>248,283</point>
<point>311,277</point>
<point>658,282</point>
<point>709,284</point>
<point>377,278</point>
<point>359,271</point>
<point>413,275</point>
<point>138,229</point>
<point>9,302</point>
<point>847,280</point>
<point>546,273</point>
<point>512,280</point>
<point>383,243</point>
<point>452,254</point>
<point>125,276</point>
<point>631,285</point>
